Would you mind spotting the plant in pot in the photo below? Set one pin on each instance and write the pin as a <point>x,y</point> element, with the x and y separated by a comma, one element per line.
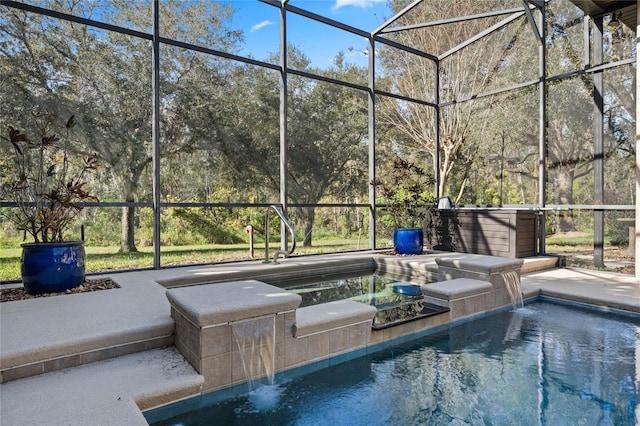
<point>408,202</point>
<point>47,189</point>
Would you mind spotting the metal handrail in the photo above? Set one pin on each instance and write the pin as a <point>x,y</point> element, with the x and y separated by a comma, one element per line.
<point>284,220</point>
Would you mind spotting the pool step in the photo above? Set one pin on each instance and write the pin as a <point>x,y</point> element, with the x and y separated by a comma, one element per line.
<point>462,296</point>
<point>48,334</point>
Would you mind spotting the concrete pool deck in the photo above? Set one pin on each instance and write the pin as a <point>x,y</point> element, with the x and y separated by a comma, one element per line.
<point>128,334</point>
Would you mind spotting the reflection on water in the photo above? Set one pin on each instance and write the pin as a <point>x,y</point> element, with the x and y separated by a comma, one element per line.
<point>543,364</point>
<point>396,300</point>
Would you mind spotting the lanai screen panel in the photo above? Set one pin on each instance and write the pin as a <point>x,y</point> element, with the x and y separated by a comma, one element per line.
<point>103,78</point>
<point>245,28</point>
<point>327,143</point>
<point>219,128</point>
<point>310,52</point>
<point>500,149</point>
<point>619,136</point>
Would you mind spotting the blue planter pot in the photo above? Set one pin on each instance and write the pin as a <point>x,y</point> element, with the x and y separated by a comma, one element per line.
<point>52,267</point>
<point>408,240</point>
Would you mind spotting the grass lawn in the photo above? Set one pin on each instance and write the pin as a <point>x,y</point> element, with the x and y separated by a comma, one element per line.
<point>105,259</point>
<point>578,252</point>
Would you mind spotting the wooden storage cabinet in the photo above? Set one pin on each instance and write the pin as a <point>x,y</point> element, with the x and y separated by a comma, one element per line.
<point>496,232</point>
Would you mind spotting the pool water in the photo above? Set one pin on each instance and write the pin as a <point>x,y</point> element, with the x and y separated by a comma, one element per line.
<point>545,364</point>
<point>397,301</point>
<point>367,288</point>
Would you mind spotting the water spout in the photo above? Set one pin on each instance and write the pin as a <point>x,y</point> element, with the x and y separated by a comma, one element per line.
<point>512,283</point>
<point>255,340</point>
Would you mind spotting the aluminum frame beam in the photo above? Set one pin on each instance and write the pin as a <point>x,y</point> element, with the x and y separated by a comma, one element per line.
<point>284,118</point>
<point>155,134</point>
<point>532,22</point>
<point>451,20</point>
<point>597,49</point>
<point>481,35</point>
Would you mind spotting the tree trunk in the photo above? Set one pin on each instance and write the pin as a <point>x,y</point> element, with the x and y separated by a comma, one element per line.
<point>564,184</point>
<point>127,240</point>
<point>127,237</point>
<point>308,217</point>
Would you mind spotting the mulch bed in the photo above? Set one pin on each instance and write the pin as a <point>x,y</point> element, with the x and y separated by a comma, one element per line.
<point>18,293</point>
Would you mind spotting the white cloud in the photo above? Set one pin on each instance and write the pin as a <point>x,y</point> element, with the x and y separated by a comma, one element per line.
<point>260,26</point>
<point>356,3</point>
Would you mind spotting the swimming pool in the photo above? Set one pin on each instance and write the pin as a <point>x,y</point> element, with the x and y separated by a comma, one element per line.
<point>547,363</point>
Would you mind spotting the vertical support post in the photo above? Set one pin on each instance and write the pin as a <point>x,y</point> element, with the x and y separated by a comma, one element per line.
<point>266,236</point>
<point>542,131</point>
<point>637,251</point>
<point>586,26</point>
<point>372,142</point>
<point>502,163</point>
<point>155,133</point>
<point>540,31</point>
<point>598,145</point>
<point>284,145</point>
<point>436,124</point>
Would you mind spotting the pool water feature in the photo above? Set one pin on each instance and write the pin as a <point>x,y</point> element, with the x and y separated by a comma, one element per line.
<point>397,301</point>
<point>546,363</point>
<point>512,283</point>
<point>256,344</point>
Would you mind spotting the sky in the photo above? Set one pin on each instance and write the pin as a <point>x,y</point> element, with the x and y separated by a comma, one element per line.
<point>319,42</point>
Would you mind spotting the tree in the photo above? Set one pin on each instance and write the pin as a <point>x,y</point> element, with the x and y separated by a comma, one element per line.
<point>473,70</point>
<point>570,125</point>
<point>106,79</point>
<point>326,135</point>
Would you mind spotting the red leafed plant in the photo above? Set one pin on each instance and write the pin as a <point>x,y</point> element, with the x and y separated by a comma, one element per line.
<point>46,186</point>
